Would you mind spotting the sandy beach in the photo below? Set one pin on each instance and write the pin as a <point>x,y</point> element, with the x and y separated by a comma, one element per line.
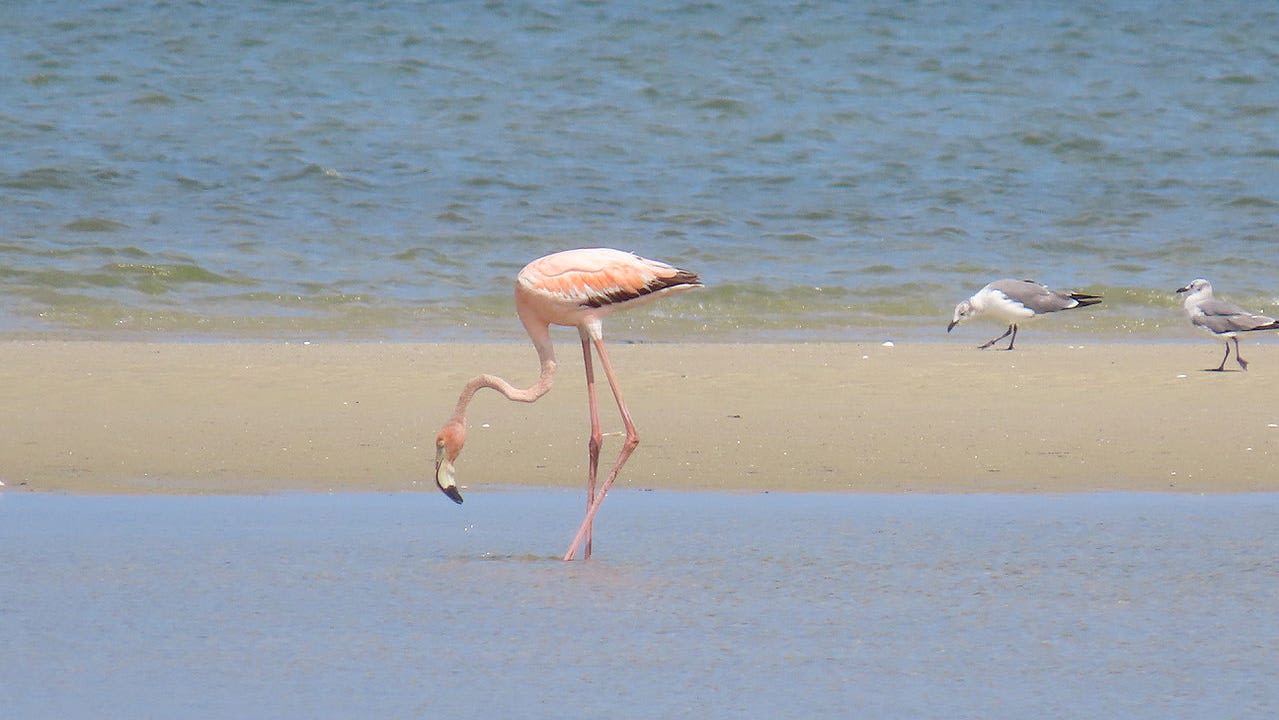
<point>125,417</point>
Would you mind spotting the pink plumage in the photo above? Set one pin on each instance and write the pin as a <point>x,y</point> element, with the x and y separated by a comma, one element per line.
<point>576,288</point>
<point>567,287</point>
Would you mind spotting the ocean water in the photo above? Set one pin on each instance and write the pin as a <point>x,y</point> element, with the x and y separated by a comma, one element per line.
<point>695,605</point>
<point>833,170</point>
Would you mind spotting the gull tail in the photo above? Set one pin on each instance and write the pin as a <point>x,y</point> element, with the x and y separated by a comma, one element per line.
<point>1084,299</point>
<point>1272,325</point>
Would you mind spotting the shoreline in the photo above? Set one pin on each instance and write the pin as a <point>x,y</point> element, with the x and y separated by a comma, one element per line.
<point>106,417</point>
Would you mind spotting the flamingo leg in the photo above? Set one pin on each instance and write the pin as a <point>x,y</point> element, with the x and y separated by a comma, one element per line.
<point>596,439</point>
<point>632,441</point>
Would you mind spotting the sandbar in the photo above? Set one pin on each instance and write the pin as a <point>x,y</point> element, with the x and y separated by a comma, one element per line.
<point>99,417</point>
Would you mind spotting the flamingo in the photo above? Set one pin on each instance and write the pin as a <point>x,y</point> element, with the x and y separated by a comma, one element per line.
<point>576,288</point>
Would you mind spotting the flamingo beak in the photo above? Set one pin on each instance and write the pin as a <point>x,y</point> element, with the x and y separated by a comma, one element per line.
<point>444,476</point>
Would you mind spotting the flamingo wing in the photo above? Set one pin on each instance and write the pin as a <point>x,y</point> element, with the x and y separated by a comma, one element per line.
<point>601,277</point>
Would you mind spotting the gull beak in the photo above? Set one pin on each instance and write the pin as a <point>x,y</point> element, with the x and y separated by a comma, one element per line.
<point>952,325</point>
<point>1183,289</point>
<point>444,477</point>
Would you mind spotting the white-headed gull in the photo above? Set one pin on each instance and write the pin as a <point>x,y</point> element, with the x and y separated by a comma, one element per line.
<point>1222,319</point>
<point>1016,301</point>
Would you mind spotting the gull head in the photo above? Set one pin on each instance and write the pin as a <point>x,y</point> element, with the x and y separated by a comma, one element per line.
<point>963,311</point>
<point>448,445</point>
<point>1196,292</point>
<point>1196,287</point>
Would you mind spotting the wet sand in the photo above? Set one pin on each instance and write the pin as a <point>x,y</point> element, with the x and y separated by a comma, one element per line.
<point>107,417</point>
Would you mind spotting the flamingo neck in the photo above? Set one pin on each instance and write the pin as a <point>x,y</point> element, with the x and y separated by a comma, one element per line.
<point>545,356</point>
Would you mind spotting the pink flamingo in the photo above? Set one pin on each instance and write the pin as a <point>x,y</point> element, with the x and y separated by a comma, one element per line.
<point>576,288</point>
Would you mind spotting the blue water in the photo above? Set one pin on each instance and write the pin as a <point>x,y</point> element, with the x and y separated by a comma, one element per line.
<point>695,605</point>
<point>833,170</point>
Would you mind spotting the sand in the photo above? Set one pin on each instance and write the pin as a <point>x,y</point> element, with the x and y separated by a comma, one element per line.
<point>107,417</point>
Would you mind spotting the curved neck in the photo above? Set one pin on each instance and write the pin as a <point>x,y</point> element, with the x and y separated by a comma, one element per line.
<point>546,357</point>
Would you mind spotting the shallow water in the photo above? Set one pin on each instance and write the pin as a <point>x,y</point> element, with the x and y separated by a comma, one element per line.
<point>706,605</point>
<point>834,170</point>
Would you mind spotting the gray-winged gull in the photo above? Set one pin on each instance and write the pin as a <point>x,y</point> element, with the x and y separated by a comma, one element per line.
<point>1016,301</point>
<point>1222,319</point>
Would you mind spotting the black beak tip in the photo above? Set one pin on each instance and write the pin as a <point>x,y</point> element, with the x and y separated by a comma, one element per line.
<point>454,495</point>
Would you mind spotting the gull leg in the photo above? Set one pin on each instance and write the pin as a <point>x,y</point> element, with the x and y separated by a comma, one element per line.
<point>1001,337</point>
<point>1222,366</point>
<point>1238,358</point>
<point>1014,338</point>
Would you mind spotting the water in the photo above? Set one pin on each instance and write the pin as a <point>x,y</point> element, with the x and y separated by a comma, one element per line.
<point>833,170</point>
<point>706,605</point>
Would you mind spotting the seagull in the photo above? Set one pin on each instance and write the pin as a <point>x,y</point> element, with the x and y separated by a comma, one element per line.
<point>1014,301</point>
<point>1222,319</point>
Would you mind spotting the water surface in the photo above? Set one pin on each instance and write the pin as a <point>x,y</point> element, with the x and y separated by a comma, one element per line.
<point>705,605</point>
<point>834,170</point>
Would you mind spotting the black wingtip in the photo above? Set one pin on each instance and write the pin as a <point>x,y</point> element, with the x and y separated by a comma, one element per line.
<point>453,494</point>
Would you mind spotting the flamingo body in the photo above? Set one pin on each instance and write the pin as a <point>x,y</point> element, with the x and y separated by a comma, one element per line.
<point>575,288</point>
<point>578,287</point>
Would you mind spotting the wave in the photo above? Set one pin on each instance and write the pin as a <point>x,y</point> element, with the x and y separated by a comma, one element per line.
<point>193,302</point>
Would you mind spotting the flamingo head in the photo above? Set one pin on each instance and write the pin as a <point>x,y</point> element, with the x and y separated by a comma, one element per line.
<point>962,311</point>
<point>448,445</point>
